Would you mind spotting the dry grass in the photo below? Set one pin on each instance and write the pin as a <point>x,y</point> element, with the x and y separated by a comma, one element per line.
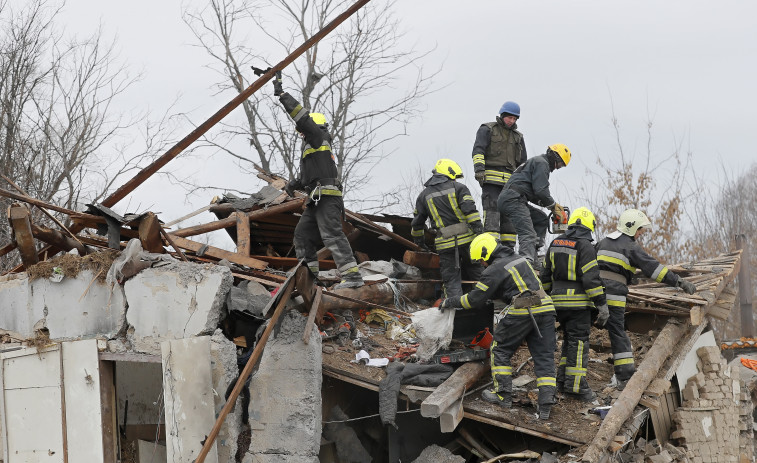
<point>98,263</point>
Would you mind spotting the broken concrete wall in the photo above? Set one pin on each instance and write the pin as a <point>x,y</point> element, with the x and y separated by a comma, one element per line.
<point>714,422</point>
<point>175,301</point>
<point>223,369</point>
<point>72,308</point>
<point>285,405</point>
<point>189,403</point>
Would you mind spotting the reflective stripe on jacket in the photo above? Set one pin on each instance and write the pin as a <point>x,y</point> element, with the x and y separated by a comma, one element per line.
<point>317,160</point>
<point>621,254</point>
<point>571,271</point>
<point>507,276</point>
<point>446,202</point>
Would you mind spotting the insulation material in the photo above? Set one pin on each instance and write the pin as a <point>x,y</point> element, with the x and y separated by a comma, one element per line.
<point>433,328</point>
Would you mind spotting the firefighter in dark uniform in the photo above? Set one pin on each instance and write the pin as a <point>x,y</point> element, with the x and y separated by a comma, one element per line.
<point>322,218</point>
<point>530,316</point>
<point>498,150</point>
<point>530,183</point>
<point>453,214</point>
<point>619,255</point>
<point>571,274</point>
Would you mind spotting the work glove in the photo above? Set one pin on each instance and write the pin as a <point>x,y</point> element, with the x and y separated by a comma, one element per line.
<point>277,88</point>
<point>421,244</point>
<point>480,177</point>
<point>290,187</point>
<point>688,287</point>
<point>448,304</point>
<point>558,210</point>
<point>604,315</point>
<point>477,228</point>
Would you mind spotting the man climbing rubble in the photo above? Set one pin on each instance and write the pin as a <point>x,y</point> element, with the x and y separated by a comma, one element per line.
<point>530,183</point>
<point>618,255</point>
<point>450,206</point>
<point>498,150</point>
<point>571,275</point>
<point>322,217</point>
<point>530,316</point>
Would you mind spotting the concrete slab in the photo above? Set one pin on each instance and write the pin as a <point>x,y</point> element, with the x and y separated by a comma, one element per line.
<point>188,392</point>
<point>175,301</point>
<point>285,407</point>
<point>63,308</point>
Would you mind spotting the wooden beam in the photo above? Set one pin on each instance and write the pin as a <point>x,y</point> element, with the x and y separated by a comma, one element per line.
<point>289,262</point>
<point>311,316</point>
<point>149,234</point>
<point>58,239</point>
<point>452,389</point>
<point>218,253</point>
<point>52,207</point>
<point>243,233</point>
<point>421,259</point>
<point>451,417</point>
<point>624,405</point>
<point>287,289</point>
<point>231,221</point>
<point>21,223</point>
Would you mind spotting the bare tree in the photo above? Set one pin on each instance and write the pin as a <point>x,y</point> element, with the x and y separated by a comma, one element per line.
<point>355,77</point>
<point>58,129</point>
<point>659,184</point>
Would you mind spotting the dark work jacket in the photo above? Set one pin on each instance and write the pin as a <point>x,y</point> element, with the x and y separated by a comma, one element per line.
<point>317,162</point>
<point>571,272</point>
<point>620,253</point>
<point>507,276</point>
<point>498,150</point>
<point>532,180</point>
<point>446,202</point>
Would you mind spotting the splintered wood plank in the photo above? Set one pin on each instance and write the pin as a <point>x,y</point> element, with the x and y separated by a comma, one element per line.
<point>218,253</point>
<point>149,234</point>
<point>421,259</point>
<point>20,220</point>
<point>243,234</point>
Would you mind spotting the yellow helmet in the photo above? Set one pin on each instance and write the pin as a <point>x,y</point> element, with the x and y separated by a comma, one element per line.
<point>318,118</point>
<point>449,168</point>
<point>482,246</point>
<point>562,151</point>
<point>631,220</point>
<point>583,216</point>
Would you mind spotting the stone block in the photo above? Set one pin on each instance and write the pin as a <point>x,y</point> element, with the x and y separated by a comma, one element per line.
<point>73,308</point>
<point>285,406</point>
<point>690,393</point>
<point>175,301</point>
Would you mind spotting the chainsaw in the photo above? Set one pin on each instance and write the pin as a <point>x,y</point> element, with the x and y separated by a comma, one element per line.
<point>559,224</point>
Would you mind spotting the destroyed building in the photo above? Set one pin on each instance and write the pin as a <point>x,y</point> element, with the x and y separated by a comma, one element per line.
<point>128,354</point>
<point>125,339</point>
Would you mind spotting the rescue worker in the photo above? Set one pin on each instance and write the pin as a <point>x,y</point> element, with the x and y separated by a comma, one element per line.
<point>571,274</point>
<point>499,148</point>
<point>450,206</point>
<point>322,218</point>
<point>619,255</point>
<point>530,316</point>
<point>530,183</point>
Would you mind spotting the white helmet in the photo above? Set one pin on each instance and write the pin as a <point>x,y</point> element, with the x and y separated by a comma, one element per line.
<point>631,220</point>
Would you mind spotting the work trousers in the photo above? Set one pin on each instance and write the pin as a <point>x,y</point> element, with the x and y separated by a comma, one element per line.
<point>575,324</point>
<point>530,223</point>
<point>622,350</point>
<point>323,222</point>
<point>454,263</point>
<point>494,221</point>
<point>508,336</point>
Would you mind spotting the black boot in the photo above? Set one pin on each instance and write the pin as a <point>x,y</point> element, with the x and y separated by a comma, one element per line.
<point>502,399</point>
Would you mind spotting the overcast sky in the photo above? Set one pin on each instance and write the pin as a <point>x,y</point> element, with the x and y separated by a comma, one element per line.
<point>687,65</point>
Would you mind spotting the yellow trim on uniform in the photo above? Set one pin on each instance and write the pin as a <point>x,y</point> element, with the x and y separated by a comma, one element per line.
<point>616,261</point>
<point>315,150</point>
<point>593,263</point>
